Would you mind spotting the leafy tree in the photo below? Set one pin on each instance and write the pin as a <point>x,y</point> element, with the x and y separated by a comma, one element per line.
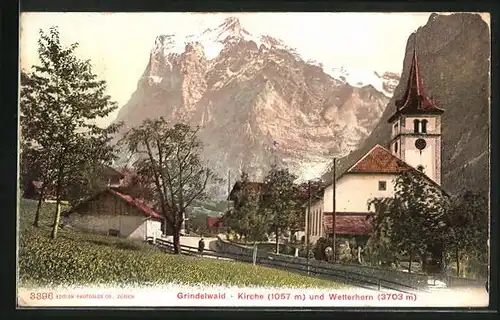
<point>199,223</point>
<point>88,176</point>
<point>245,218</point>
<point>467,229</point>
<point>170,157</point>
<point>380,247</point>
<point>60,99</point>
<point>279,201</point>
<point>414,218</point>
<point>138,186</point>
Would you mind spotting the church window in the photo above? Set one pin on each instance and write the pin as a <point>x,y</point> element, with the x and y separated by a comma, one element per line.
<point>424,126</point>
<point>416,124</point>
<point>396,127</point>
<point>420,168</point>
<point>396,147</point>
<point>382,185</point>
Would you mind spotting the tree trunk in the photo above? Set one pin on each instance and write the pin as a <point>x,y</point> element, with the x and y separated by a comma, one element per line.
<point>409,263</point>
<point>457,253</point>
<point>39,206</point>
<point>57,216</point>
<point>177,241</point>
<point>55,228</point>
<point>277,241</point>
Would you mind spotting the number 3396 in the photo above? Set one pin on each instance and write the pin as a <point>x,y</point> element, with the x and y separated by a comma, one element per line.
<point>41,296</point>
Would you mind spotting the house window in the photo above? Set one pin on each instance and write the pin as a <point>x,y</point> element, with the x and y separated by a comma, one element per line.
<point>416,124</point>
<point>396,147</point>
<point>382,185</point>
<point>424,126</point>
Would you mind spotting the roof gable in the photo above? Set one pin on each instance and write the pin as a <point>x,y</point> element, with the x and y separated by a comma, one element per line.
<point>145,209</point>
<point>380,160</point>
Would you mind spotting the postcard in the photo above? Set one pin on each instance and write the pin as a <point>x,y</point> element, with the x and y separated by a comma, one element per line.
<point>254,160</point>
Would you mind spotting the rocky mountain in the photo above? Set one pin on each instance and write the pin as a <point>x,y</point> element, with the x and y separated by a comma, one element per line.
<point>258,101</point>
<point>454,59</point>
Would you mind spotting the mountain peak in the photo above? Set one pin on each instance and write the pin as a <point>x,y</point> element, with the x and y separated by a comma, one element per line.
<point>231,23</point>
<point>230,27</point>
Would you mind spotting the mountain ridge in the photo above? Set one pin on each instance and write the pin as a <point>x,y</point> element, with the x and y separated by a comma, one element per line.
<point>251,94</point>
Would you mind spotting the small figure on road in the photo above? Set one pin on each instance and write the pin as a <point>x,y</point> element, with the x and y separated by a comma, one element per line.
<point>201,245</point>
<point>328,253</point>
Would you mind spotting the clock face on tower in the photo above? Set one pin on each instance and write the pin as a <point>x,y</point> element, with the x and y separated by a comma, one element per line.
<point>420,144</point>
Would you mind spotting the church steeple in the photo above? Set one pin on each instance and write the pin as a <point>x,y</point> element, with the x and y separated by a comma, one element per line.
<point>416,125</point>
<point>415,100</point>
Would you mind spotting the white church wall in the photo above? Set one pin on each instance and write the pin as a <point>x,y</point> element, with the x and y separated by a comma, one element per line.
<point>354,190</point>
<point>426,158</point>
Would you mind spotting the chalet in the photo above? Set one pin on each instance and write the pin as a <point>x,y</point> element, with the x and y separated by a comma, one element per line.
<point>414,145</point>
<point>113,213</point>
<point>108,177</point>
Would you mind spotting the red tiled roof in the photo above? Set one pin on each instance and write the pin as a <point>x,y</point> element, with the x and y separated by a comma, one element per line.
<point>147,210</point>
<point>415,100</point>
<point>380,160</point>
<point>358,224</point>
<point>214,222</point>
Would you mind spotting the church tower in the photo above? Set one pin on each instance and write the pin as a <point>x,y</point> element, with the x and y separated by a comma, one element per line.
<point>416,127</point>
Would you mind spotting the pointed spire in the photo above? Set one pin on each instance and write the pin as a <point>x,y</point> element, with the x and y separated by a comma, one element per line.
<point>415,99</point>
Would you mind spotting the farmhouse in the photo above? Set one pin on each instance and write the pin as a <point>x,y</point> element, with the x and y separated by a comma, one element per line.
<point>108,176</point>
<point>415,145</point>
<point>113,213</point>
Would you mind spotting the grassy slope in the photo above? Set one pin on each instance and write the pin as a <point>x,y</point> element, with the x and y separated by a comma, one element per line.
<point>83,258</point>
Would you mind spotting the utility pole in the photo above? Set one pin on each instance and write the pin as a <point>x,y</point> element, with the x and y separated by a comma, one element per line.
<point>228,190</point>
<point>334,222</point>
<point>308,222</point>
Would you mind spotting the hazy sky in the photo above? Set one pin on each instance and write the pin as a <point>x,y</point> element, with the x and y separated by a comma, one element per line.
<point>119,44</point>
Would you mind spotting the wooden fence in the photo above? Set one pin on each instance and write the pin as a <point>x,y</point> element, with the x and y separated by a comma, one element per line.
<point>311,268</point>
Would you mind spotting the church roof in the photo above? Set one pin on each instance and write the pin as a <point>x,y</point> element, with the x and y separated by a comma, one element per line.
<point>415,100</point>
<point>377,160</point>
<point>380,160</point>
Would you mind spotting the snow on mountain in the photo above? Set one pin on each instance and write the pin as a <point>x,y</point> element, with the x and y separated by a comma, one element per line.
<point>213,40</point>
<point>385,82</point>
<point>247,91</point>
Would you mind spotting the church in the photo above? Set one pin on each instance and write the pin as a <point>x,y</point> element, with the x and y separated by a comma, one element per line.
<point>415,145</point>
